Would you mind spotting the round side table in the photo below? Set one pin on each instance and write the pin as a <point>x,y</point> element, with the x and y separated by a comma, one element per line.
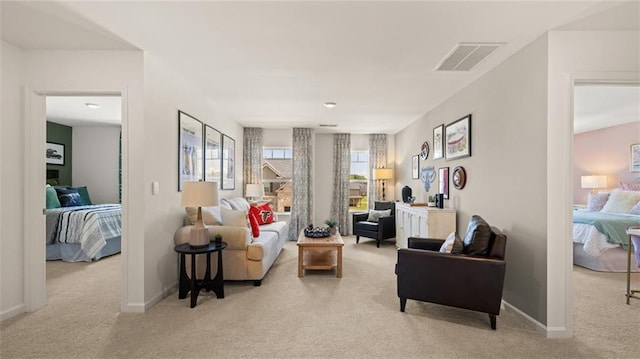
<point>193,284</point>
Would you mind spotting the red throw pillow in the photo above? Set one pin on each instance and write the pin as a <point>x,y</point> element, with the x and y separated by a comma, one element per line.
<point>263,213</point>
<point>255,228</point>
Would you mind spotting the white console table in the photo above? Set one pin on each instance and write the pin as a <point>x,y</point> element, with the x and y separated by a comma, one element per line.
<point>426,222</point>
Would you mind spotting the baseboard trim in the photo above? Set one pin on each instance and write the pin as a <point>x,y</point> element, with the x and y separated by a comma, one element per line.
<point>161,296</point>
<point>539,327</point>
<point>12,312</point>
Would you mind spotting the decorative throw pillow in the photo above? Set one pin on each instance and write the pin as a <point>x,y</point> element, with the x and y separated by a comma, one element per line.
<point>635,209</point>
<point>621,201</point>
<point>453,244</point>
<point>69,197</point>
<point>630,186</point>
<point>84,195</point>
<point>375,215</point>
<point>263,213</point>
<point>210,215</point>
<point>234,218</point>
<point>52,198</point>
<point>478,237</point>
<point>597,201</point>
<point>255,227</point>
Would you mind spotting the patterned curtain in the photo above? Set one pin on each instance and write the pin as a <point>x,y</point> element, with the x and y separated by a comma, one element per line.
<point>252,156</point>
<point>377,159</point>
<point>341,171</point>
<point>301,196</point>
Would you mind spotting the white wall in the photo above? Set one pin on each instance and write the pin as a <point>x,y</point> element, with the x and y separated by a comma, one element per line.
<point>165,94</point>
<point>506,172</point>
<point>574,55</point>
<point>11,205</point>
<point>95,161</point>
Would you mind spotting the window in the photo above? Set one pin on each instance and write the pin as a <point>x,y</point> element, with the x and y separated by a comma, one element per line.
<point>359,180</point>
<point>277,167</point>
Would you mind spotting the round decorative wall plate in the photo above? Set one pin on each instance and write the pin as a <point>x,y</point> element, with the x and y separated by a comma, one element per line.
<point>459,177</point>
<point>424,150</point>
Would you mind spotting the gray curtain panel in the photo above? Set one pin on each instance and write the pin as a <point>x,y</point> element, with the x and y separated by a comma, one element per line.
<point>252,156</point>
<point>341,171</point>
<point>302,199</point>
<point>377,159</point>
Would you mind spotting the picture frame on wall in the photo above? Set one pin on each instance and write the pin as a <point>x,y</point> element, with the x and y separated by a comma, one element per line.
<point>438,142</point>
<point>228,162</point>
<point>443,181</point>
<point>212,155</point>
<point>634,165</point>
<point>457,138</point>
<point>190,149</point>
<point>415,167</point>
<point>55,153</point>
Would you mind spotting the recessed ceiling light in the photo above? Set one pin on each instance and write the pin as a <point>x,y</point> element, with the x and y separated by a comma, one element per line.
<point>330,104</point>
<point>92,105</point>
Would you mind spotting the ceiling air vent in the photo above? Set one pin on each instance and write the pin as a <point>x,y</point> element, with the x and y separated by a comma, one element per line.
<point>328,125</point>
<point>466,55</point>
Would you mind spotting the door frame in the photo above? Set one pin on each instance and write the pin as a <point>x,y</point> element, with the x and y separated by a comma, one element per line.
<point>35,293</point>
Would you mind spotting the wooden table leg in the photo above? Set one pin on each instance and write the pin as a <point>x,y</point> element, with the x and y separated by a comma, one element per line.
<point>300,255</point>
<point>339,270</point>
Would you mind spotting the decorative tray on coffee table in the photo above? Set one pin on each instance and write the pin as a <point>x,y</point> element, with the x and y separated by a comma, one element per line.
<point>317,232</point>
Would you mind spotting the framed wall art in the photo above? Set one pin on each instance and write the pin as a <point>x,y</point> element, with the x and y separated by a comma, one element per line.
<point>424,150</point>
<point>55,153</point>
<point>443,181</point>
<point>634,166</point>
<point>438,142</point>
<point>457,137</point>
<point>228,162</point>
<point>212,155</point>
<point>459,177</point>
<point>190,150</point>
<point>415,167</point>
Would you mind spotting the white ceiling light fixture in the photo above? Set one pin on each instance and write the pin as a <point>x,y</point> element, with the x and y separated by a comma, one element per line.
<point>466,55</point>
<point>330,104</point>
<point>92,105</point>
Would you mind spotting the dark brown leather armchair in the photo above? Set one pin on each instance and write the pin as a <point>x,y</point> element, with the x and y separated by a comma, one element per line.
<point>385,228</point>
<point>471,280</point>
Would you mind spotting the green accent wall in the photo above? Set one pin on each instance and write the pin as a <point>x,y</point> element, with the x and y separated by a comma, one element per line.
<point>61,134</point>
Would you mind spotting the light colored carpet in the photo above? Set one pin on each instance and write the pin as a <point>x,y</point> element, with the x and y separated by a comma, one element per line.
<point>318,316</point>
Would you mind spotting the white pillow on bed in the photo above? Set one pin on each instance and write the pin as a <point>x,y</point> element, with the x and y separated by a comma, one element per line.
<point>636,209</point>
<point>621,201</point>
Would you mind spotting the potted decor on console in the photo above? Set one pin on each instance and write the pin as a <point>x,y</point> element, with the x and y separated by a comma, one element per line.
<point>431,201</point>
<point>332,224</point>
<point>218,239</point>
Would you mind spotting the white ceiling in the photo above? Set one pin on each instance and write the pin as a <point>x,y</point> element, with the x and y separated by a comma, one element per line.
<point>596,105</point>
<point>273,64</point>
<point>73,111</point>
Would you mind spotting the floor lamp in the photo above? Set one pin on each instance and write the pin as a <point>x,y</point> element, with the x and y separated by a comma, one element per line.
<point>382,174</point>
<point>199,194</point>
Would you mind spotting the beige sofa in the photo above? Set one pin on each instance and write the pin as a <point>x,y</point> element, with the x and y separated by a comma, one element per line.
<point>246,257</point>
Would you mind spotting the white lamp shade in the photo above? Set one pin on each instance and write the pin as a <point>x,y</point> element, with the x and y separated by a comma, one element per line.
<point>593,181</point>
<point>199,194</point>
<point>382,173</point>
<point>255,190</point>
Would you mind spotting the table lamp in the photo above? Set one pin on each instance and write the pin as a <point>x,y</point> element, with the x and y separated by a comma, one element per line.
<point>593,182</point>
<point>382,174</point>
<point>254,190</point>
<point>199,194</point>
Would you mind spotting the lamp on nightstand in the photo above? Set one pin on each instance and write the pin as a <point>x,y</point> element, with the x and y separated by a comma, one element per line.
<point>593,182</point>
<point>199,194</point>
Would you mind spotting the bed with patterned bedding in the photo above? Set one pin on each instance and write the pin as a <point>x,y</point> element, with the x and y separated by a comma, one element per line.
<point>83,233</point>
<point>599,232</point>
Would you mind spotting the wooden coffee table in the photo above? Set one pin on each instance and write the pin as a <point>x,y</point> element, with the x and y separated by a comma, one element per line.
<point>320,253</point>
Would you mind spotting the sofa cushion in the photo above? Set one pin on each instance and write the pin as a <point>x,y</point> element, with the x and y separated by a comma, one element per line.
<point>374,215</point>
<point>263,213</point>
<point>280,227</point>
<point>211,216</point>
<point>265,243</point>
<point>366,226</point>
<point>255,227</point>
<point>453,244</point>
<point>236,203</point>
<point>234,218</point>
<point>478,237</point>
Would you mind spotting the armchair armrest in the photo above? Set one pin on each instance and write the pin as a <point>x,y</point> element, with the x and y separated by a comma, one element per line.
<point>358,217</point>
<point>457,280</point>
<point>430,244</point>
